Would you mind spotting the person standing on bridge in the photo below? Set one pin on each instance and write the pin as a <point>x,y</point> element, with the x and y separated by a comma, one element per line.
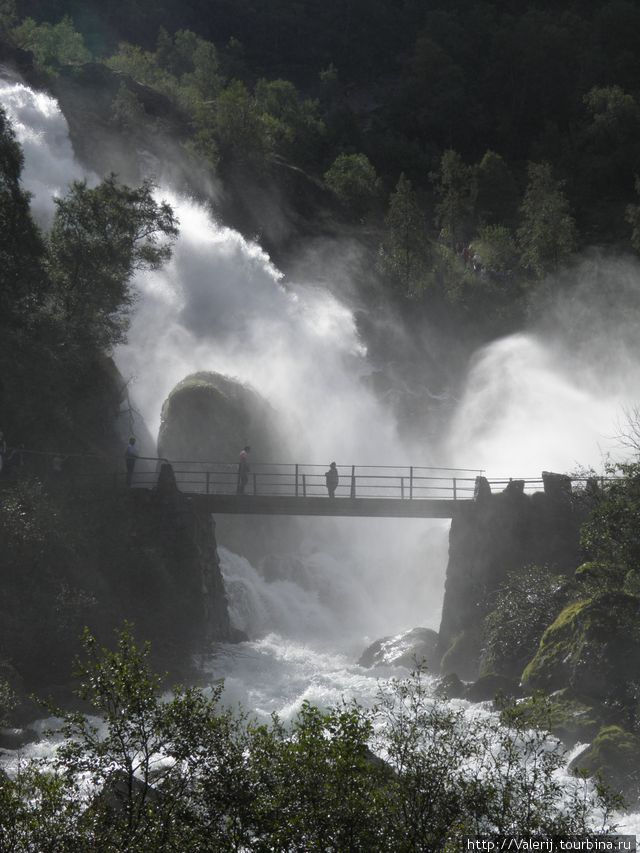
<point>331,476</point>
<point>243,469</point>
<point>130,457</point>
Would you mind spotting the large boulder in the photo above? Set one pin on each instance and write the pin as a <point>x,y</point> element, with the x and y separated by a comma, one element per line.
<point>462,655</point>
<point>593,647</point>
<point>418,646</point>
<point>614,755</point>
<point>208,417</point>
<point>566,716</point>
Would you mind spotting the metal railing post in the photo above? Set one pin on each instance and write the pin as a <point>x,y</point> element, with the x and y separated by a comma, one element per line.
<point>296,481</point>
<point>353,481</point>
<point>207,483</point>
<point>402,488</point>
<point>411,483</point>
<point>255,484</point>
<point>455,492</point>
<point>304,485</point>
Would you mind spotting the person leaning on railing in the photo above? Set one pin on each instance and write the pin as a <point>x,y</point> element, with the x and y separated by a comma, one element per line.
<point>130,457</point>
<point>243,469</point>
<point>332,479</point>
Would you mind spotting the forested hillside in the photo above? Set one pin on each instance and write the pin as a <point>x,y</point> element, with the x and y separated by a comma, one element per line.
<point>471,147</point>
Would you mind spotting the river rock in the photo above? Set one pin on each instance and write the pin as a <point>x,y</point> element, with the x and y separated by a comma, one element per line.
<point>593,647</point>
<point>17,738</point>
<point>408,649</point>
<point>450,687</point>
<point>210,417</point>
<point>614,756</point>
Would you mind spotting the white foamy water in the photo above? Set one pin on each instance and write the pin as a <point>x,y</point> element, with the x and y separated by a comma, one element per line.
<point>221,305</point>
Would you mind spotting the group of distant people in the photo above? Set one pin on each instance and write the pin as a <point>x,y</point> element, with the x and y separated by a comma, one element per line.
<point>131,457</point>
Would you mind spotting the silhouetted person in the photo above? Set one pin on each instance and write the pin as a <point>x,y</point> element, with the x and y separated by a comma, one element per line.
<point>331,476</point>
<point>130,457</point>
<point>243,469</point>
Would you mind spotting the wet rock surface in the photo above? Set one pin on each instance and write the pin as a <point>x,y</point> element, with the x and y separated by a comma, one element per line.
<point>413,648</point>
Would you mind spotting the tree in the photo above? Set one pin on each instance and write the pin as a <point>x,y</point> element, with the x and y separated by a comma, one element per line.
<point>456,189</point>
<point>496,249</point>
<point>354,180</point>
<point>405,249</point>
<point>547,234</point>
<point>497,199</point>
<point>99,238</point>
<point>240,130</point>
<point>53,45</point>
<point>22,278</point>
<point>292,124</point>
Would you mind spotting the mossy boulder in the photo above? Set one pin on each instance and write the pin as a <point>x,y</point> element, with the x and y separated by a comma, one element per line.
<point>462,655</point>
<point>593,647</point>
<point>209,417</point>
<point>450,687</point>
<point>615,756</point>
<point>570,719</point>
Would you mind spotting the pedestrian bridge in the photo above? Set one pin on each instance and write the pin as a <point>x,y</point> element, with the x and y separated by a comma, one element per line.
<point>370,491</point>
<point>300,489</point>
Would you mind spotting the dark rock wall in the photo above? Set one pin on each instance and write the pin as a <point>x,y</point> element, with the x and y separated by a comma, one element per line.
<point>489,538</point>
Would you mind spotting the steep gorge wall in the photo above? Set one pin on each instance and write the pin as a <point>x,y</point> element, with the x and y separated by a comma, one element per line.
<point>491,537</point>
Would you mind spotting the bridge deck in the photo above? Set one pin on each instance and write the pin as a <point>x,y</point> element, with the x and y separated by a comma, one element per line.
<point>324,506</point>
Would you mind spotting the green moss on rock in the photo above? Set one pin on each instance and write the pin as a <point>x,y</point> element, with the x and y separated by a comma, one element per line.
<point>209,416</point>
<point>615,756</point>
<point>565,716</point>
<point>593,647</point>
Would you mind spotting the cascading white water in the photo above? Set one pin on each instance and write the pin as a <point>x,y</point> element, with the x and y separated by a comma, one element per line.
<point>221,305</point>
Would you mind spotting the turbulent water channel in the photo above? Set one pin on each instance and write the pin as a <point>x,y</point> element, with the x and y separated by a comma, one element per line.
<point>220,305</point>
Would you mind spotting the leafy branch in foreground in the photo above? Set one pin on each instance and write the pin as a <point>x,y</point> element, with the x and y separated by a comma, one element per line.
<point>184,773</point>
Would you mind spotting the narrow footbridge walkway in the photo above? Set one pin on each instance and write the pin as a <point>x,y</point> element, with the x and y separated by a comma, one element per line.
<point>280,489</point>
<point>300,489</point>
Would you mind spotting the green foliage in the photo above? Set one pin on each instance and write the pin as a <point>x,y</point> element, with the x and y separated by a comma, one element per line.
<point>53,45</point>
<point>613,755</point>
<point>353,178</point>
<point>99,238</point>
<point>547,234</point>
<point>456,189</point>
<point>22,279</point>
<point>292,125</point>
<point>405,250</point>
<point>496,249</point>
<point>7,701</point>
<point>524,606</point>
<point>498,197</point>
<point>8,17</point>
<point>127,112</point>
<point>610,534</point>
<point>185,774</point>
<point>561,714</point>
<point>614,114</point>
<point>242,135</point>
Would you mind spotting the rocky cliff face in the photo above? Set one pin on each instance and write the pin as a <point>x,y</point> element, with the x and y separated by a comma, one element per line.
<point>209,417</point>
<point>490,537</point>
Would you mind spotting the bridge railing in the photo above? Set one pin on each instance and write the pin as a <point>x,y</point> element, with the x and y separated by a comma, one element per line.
<point>308,480</point>
<point>272,479</point>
